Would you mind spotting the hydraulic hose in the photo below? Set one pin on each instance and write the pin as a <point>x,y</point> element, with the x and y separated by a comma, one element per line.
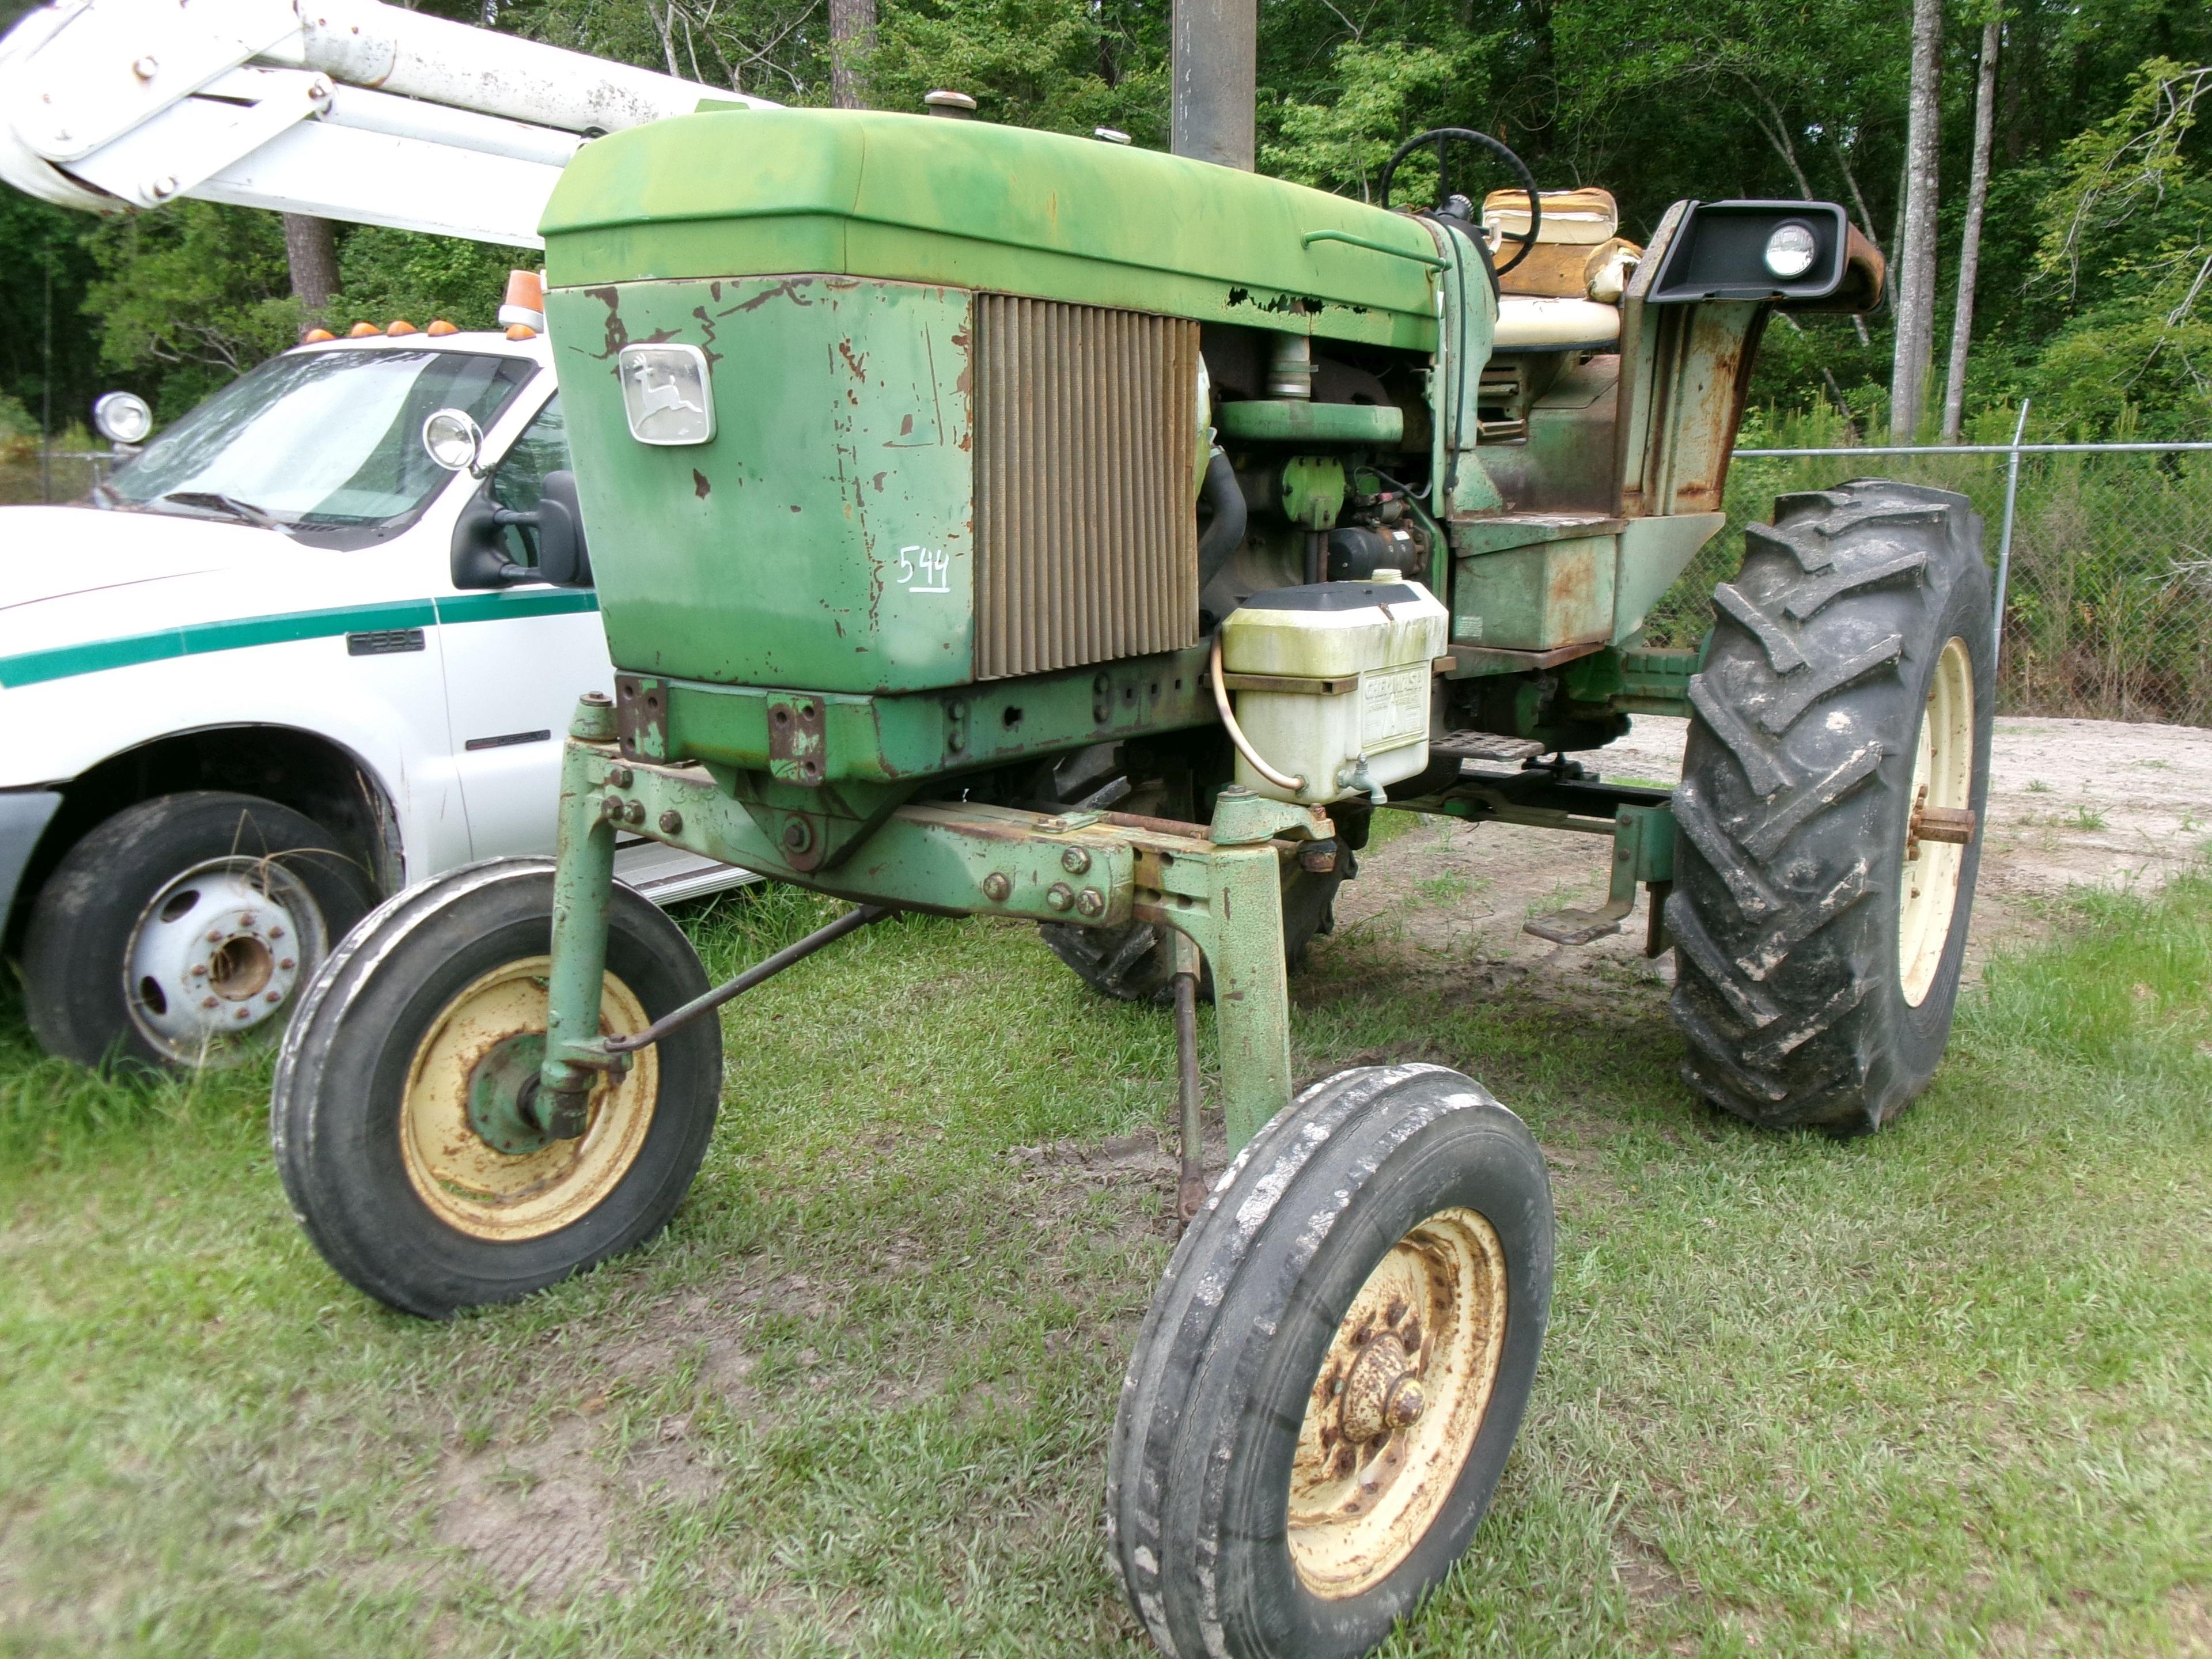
<point>1226,531</point>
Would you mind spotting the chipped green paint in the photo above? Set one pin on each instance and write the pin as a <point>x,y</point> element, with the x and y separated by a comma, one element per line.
<point>1222,891</point>
<point>871,738</point>
<point>969,204</point>
<point>822,540</point>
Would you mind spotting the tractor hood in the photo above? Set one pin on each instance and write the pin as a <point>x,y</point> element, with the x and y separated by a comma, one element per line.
<point>965,205</point>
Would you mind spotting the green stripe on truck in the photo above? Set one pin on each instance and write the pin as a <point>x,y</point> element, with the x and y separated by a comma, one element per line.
<point>197,639</point>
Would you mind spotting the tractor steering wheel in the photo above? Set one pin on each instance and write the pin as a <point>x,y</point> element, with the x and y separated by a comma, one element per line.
<point>1442,138</point>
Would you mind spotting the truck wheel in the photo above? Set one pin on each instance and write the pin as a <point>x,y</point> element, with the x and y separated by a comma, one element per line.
<point>400,1117</point>
<point>1135,962</point>
<point>1332,1370</point>
<point>1819,933</point>
<point>178,932</point>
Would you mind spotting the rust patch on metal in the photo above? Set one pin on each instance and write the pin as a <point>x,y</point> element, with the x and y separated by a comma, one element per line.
<point>700,487</point>
<point>793,288</point>
<point>797,743</point>
<point>617,331</point>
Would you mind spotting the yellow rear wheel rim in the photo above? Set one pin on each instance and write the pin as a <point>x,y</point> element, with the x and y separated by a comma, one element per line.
<point>1942,776</point>
<point>1394,1410</point>
<point>494,1195</point>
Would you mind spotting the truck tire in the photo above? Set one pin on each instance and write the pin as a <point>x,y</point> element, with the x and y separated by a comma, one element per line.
<point>179,931</point>
<point>1849,684</point>
<point>1332,1370</point>
<point>1135,962</point>
<point>400,1112</point>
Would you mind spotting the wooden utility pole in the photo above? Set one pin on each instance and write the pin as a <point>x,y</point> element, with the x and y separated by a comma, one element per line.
<point>1970,240</point>
<point>1916,251</point>
<point>1213,58</point>
<point>851,38</point>
<point>311,248</point>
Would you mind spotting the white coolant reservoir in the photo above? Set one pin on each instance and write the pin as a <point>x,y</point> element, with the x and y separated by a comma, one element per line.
<point>1329,683</point>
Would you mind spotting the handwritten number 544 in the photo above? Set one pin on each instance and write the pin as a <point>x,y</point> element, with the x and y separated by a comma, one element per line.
<point>924,569</point>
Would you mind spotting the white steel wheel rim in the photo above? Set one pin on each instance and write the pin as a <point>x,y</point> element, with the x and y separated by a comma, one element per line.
<point>1942,776</point>
<point>1359,1508</point>
<point>215,957</point>
<point>490,1194</point>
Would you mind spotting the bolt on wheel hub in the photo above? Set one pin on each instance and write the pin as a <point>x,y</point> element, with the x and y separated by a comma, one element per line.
<point>1395,1407</point>
<point>217,952</point>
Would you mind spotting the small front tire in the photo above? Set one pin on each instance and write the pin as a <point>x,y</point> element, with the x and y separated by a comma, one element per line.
<point>1332,1370</point>
<point>400,1117</point>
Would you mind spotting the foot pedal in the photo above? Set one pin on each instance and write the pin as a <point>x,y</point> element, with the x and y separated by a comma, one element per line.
<point>1579,926</point>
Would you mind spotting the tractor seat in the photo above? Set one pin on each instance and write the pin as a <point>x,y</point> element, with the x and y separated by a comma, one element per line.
<point>1577,268</point>
<point>1528,322</point>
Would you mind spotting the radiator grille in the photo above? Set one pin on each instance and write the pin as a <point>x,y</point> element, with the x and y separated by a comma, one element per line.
<point>1086,532</point>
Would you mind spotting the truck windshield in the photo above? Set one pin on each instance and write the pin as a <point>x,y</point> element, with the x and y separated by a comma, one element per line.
<point>317,440</point>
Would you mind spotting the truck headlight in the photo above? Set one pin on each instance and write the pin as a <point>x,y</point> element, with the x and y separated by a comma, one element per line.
<point>666,395</point>
<point>1790,250</point>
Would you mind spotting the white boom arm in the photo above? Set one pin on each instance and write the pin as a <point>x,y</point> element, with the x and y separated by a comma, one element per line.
<point>346,109</point>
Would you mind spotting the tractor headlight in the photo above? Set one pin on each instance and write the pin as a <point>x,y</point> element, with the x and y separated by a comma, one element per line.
<point>666,395</point>
<point>1790,250</point>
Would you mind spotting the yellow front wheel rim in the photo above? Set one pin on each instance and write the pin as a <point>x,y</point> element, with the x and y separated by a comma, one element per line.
<point>505,1196</point>
<point>1398,1402</point>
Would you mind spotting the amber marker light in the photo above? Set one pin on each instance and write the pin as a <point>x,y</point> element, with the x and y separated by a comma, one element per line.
<point>401,325</point>
<point>440,328</point>
<point>524,306</point>
<point>362,330</point>
<point>316,336</point>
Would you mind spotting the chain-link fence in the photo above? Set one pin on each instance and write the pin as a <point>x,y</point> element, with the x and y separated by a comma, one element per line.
<point>2107,591</point>
<point>2106,551</point>
<point>30,473</point>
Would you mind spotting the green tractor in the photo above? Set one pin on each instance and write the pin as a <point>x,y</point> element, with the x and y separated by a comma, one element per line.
<point>990,522</point>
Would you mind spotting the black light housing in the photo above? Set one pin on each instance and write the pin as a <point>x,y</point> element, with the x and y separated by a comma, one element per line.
<point>1719,253</point>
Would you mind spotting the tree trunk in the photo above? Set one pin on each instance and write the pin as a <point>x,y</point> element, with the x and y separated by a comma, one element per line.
<point>851,38</point>
<point>1915,252</point>
<point>311,248</point>
<point>1969,240</point>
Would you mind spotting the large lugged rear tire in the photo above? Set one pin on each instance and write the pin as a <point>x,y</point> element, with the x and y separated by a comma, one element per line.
<point>1332,1370</point>
<point>1818,939</point>
<point>400,1115</point>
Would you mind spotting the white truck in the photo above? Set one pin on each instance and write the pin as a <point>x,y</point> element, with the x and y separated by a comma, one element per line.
<point>285,660</point>
<point>281,664</point>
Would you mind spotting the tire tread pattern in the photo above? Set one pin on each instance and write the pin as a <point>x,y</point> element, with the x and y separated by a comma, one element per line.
<point>1803,716</point>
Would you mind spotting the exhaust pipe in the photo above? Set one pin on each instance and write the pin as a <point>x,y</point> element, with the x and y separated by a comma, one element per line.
<point>1214,70</point>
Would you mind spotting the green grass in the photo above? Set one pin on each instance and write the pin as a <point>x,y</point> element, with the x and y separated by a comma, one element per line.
<point>1945,1390</point>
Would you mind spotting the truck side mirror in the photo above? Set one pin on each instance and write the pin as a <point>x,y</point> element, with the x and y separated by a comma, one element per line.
<point>479,555</point>
<point>562,557</point>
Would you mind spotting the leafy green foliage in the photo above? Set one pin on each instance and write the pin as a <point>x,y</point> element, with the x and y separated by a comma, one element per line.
<point>200,293</point>
<point>2095,280</point>
<point>2128,233</point>
<point>384,274</point>
<point>1341,143</point>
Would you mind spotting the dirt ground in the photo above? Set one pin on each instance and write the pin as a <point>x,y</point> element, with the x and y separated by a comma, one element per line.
<point>2070,802</point>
